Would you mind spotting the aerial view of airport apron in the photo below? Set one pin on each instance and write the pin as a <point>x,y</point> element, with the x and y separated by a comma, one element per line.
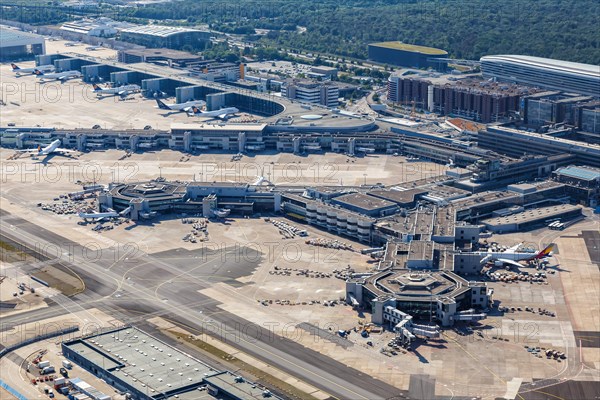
<point>299,200</point>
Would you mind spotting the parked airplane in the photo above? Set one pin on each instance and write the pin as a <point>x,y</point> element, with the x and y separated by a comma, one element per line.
<point>51,148</point>
<point>188,106</point>
<point>512,257</point>
<point>221,113</point>
<point>93,48</point>
<point>98,215</point>
<point>59,76</point>
<point>19,71</point>
<point>366,150</point>
<point>118,91</point>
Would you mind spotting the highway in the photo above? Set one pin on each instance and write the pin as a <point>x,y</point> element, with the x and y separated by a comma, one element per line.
<point>135,287</point>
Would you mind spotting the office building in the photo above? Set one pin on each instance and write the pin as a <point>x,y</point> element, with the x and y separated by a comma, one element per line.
<point>312,92</point>
<point>469,97</point>
<point>16,44</point>
<point>545,109</point>
<point>581,183</point>
<point>165,36</point>
<point>544,73</point>
<point>408,55</point>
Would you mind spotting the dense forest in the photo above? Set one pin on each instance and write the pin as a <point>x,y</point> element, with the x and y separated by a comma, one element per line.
<point>562,29</point>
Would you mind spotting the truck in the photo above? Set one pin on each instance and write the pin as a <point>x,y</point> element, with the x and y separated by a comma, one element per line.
<point>67,364</point>
<point>48,370</point>
<point>43,364</point>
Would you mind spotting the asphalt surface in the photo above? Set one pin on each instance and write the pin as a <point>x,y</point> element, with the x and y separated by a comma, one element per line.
<point>134,286</point>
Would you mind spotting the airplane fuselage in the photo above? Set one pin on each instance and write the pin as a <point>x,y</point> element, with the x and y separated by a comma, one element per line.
<point>217,113</point>
<point>186,105</point>
<point>513,256</point>
<point>49,149</point>
<point>42,68</point>
<point>60,75</point>
<point>117,90</point>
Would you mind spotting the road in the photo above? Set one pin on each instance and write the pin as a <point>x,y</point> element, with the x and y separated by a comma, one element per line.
<point>134,289</point>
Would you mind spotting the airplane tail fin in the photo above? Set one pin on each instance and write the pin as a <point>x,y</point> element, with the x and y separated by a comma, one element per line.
<point>195,110</point>
<point>162,105</point>
<point>14,66</point>
<point>96,87</point>
<point>545,252</point>
<point>38,72</point>
<point>39,148</point>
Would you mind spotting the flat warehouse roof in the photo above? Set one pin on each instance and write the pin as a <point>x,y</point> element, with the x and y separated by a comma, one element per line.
<point>141,361</point>
<point>157,30</point>
<point>410,47</point>
<point>12,37</point>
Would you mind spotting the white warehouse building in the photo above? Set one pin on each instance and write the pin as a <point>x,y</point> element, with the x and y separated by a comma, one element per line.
<point>101,27</point>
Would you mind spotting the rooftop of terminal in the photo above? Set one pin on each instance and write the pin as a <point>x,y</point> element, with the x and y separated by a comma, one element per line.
<point>532,215</point>
<point>579,172</point>
<point>566,66</point>
<point>363,201</point>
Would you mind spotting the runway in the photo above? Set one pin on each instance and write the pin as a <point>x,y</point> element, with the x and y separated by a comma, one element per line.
<point>138,287</point>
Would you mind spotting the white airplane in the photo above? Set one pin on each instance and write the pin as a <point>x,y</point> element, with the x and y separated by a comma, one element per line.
<point>44,151</point>
<point>221,113</point>
<point>59,76</point>
<point>512,257</point>
<point>19,71</point>
<point>188,106</point>
<point>117,91</point>
<point>365,150</point>
<point>98,215</point>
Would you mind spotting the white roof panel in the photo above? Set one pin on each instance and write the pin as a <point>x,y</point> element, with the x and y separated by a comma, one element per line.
<point>567,66</point>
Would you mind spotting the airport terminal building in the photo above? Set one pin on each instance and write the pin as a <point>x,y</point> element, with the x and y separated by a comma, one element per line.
<point>543,72</point>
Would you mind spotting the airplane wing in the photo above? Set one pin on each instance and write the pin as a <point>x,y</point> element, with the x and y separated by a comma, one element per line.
<point>514,248</point>
<point>512,263</point>
<point>65,150</point>
<point>27,151</point>
<point>124,92</point>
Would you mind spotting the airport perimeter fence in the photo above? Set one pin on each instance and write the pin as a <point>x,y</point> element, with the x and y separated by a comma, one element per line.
<point>38,338</point>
